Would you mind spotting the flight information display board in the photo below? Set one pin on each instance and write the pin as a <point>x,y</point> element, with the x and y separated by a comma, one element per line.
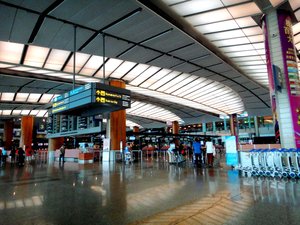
<point>92,99</point>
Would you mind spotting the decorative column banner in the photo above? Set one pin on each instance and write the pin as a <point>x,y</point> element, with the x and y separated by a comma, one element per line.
<point>271,80</point>
<point>290,69</point>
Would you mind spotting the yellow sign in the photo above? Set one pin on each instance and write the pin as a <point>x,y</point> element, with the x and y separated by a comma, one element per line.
<point>105,100</point>
<point>108,94</point>
<point>59,109</point>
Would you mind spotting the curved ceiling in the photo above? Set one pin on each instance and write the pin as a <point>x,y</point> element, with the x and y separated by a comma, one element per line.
<point>142,48</point>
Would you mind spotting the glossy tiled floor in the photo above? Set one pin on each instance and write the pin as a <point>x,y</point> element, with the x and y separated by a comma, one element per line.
<point>142,193</point>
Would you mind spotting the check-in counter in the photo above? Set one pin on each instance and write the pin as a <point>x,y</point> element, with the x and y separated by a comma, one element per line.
<point>86,158</point>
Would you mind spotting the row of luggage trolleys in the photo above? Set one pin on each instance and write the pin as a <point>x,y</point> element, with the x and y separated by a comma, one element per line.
<point>271,162</point>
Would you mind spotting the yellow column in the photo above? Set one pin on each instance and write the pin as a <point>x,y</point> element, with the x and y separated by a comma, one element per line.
<point>118,122</point>
<point>26,131</point>
<point>175,130</point>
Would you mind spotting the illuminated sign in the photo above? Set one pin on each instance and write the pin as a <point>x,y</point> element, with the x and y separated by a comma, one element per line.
<point>108,94</point>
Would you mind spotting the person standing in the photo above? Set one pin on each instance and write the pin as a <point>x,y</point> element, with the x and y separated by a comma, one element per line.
<point>211,152</point>
<point>4,156</point>
<point>13,155</point>
<point>62,151</point>
<point>197,152</point>
<point>21,154</point>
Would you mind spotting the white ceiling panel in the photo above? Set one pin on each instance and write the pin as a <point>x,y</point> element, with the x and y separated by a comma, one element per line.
<point>192,7</point>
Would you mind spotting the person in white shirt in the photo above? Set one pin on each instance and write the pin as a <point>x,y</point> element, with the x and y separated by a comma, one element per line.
<point>211,152</point>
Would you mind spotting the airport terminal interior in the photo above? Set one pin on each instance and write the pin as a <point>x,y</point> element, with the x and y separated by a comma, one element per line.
<point>104,104</point>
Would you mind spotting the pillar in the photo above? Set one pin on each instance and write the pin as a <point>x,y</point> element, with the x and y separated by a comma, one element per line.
<point>214,127</point>
<point>249,122</point>
<point>283,76</point>
<point>175,130</point>
<point>8,134</point>
<point>118,122</point>
<point>26,131</point>
<point>204,128</point>
<point>225,124</point>
<point>234,124</point>
<point>55,143</point>
<point>256,126</point>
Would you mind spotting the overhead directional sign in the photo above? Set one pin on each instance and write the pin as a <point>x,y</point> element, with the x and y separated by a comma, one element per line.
<point>91,99</point>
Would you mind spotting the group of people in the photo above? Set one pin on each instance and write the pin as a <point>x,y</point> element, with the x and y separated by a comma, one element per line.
<point>201,152</point>
<point>17,155</point>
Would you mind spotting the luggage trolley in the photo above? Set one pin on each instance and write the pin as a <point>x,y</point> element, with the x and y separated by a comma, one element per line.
<point>284,162</point>
<point>293,163</point>
<point>255,161</point>
<point>245,161</point>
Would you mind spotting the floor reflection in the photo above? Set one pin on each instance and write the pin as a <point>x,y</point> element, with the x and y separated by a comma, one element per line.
<point>123,194</point>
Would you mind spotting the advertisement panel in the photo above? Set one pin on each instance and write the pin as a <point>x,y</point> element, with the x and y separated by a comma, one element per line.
<point>290,70</point>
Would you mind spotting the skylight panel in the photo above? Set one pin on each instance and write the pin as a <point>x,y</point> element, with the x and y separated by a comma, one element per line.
<point>230,42</point>
<point>246,22</point>
<point>209,17</point>
<point>92,65</point>
<point>25,112</point>
<point>181,84</point>
<point>56,59</point>
<point>225,35</point>
<point>122,69</point>
<point>248,58</point>
<point>3,65</point>
<point>247,9</point>
<point>140,68</point>
<point>22,68</point>
<point>156,78</point>
<point>238,48</point>
<point>130,123</point>
<point>193,87</point>
<point>10,52</point>
<point>6,112</point>
<point>242,53</point>
<point>252,31</point>
<point>34,112</point>
<point>41,113</point>
<point>110,66</point>
<point>165,80</point>
<point>145,75</point>
<point>21,97</point>
<point>295,4</point>
<point>192,7</point>
<point>80,60</point>
<point>256,38</point>
<point>46,98</point>
<point>40,71</point>
<point>216,27</point>
<point>16,112</point>
<point>36,56</point>
<point>7,96</point>
<point>171,83</point>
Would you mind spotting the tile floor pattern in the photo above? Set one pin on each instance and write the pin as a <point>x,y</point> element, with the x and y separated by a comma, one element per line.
<point>148,192</point>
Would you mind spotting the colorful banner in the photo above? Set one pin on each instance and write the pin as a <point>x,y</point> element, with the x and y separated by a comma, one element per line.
<point>290,70</point>
<point>271,81</point>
